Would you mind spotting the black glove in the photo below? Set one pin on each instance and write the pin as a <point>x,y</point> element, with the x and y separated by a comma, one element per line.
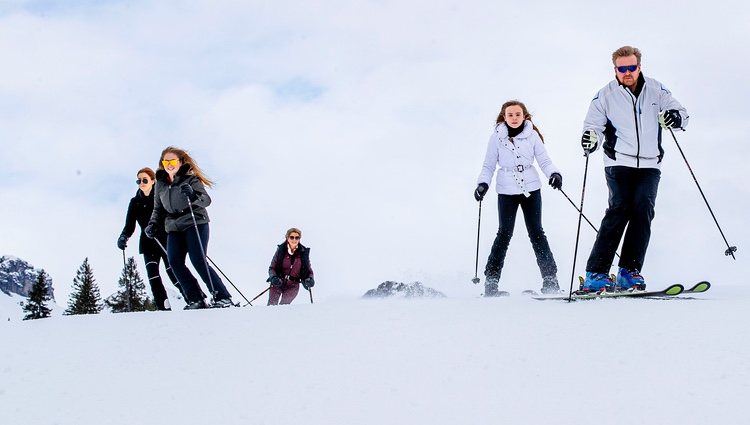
<point>188,191</point>
<point>275,281</point>
<point>150,231</point>
<point>308,283</point>
<point>670,119</point>
<point>480,191</point>
<point>122,242</point>
<point>555,180</point>
<point>589,141</point>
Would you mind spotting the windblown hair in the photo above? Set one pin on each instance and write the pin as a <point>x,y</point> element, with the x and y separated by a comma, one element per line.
<point>185,158</point>
<point>626,51</point>
<point>526,115</point>
<point>149,172</point>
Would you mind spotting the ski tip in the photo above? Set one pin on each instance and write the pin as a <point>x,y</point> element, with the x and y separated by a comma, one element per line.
<point>675,289</point>
<point>702,286</point>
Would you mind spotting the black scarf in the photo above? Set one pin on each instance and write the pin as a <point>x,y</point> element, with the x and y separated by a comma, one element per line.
<point>513,132</point>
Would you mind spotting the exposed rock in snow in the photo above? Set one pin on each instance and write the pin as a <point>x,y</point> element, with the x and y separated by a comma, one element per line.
<point>404,290</point>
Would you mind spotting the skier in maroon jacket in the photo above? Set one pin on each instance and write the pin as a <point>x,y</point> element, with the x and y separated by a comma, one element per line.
<point>290,267</point>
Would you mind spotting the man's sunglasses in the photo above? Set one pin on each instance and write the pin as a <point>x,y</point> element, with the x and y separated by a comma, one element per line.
<point>294,237</point>
<point>626,68</point>
<point>143,180</point>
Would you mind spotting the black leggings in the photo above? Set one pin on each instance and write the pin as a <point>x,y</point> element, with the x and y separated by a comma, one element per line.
<point>152,259</point>
<point>184,243</point>
<point>507,206</point>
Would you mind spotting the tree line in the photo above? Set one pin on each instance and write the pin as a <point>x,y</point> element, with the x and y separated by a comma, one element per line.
<point>85,297</point>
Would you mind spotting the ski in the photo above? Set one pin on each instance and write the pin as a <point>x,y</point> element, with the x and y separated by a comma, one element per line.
<point>669,291</point>
<point>698,288</point>
<point>498,294</point>
<point>219,305</point>
<point>537,294</point>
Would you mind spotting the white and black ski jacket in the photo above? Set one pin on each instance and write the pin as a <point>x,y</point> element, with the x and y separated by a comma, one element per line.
<point>629,124</point>
<point>514,161</point>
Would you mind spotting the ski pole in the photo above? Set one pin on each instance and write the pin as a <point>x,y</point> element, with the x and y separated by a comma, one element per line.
<point>578,232</point>
<point>311,298</point>
<point>161,246</point>
<point>259,295</point>
<point>203,251</point>
<point>730,249</point>
<point>476,261</point>
<point>227,278</point>
<point>583,215</point>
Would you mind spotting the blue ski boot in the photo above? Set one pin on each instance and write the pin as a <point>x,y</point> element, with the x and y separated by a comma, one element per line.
<point>597,282</point>
<point>629,280</point>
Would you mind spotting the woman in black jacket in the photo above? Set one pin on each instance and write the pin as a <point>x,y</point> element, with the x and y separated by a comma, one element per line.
<point>139,210</point>
<point>290,266</point>
<point>180,202</point>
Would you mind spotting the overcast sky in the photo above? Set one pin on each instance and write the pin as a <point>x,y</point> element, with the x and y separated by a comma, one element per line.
<point>364,123</point>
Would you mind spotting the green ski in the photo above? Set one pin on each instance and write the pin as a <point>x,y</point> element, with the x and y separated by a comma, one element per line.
<point>669,291</point>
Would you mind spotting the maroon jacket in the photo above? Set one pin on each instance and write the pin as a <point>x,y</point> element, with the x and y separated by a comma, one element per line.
<point>293,268</point>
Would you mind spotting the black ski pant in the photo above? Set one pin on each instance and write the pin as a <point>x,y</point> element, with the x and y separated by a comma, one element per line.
<point>507,206</point>
<point>183,243</point>
<point>632,197</point>
<point>152,260</point>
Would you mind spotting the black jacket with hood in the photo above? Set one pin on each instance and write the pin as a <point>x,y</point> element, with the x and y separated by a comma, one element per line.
<point>140,209</point>
<point>171,206</point>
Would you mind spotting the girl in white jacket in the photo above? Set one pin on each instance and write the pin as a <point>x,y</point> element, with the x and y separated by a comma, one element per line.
<point>512,149</point>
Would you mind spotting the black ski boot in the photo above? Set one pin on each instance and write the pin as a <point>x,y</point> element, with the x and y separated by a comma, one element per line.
<point>490,288</point>
<point>196,305</point>
<point>223,303</point>
<point>550,285</point>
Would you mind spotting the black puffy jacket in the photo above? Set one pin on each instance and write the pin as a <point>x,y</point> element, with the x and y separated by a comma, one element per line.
<point>140,209</point>
<point>171,206</point>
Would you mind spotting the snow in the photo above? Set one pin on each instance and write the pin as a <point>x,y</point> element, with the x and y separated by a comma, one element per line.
<point>456,360</point>
<point>9,306</point>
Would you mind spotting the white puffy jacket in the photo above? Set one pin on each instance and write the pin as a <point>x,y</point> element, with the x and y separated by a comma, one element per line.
<point>515,161</point>
<point>628,125</point>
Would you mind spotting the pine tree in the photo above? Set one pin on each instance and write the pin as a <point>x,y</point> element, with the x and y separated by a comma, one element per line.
<point>85,298</point>
<point>132,294</point>
<point>36,307</point>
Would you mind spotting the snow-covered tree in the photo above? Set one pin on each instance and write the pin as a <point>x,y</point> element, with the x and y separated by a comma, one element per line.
<point>35,307</point>
<point>132,293</point>
<point>85,298</point>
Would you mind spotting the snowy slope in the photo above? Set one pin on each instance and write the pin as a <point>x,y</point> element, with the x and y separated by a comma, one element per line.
<point>9,307</point>
<point>445,361</point>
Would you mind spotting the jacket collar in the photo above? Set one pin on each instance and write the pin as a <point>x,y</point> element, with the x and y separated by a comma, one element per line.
<point>283,246</point>
<point>163,176</point>
<point>638,85</point>
<point>142,197</point>
<point>502,130</point>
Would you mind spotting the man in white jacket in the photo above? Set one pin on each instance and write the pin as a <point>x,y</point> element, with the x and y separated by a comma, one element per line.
<point>627,117</point>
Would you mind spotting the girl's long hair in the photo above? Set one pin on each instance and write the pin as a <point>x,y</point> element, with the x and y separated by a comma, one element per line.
<point>526,115</point>
<point>185,158</point>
